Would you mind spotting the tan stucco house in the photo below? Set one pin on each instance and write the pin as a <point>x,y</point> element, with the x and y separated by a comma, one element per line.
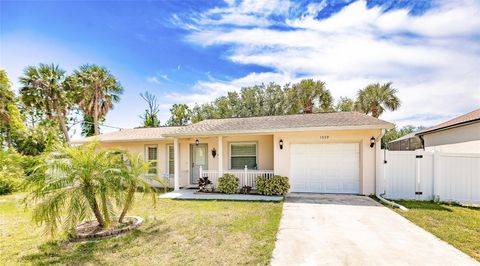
<point>325,152</point>
<point>458,135</point>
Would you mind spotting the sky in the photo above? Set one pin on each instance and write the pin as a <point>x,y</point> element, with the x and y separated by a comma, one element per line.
<point>194,51</point>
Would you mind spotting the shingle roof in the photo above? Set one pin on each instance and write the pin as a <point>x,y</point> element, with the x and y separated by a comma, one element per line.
<point>457,121</point>
<point>262,124</point>
<point>133,134</point>
<point>297,122</point>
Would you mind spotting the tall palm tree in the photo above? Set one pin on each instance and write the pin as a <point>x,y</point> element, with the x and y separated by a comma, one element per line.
<point>44,88</point>
<point>99,91</point>
<point>375,99</point>
<point>306,93</point>
<point>68,184</point>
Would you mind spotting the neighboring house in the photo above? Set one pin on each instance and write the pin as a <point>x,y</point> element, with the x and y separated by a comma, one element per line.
<point>458,135</point>
<point>409,142</point>
<point>325,152</point>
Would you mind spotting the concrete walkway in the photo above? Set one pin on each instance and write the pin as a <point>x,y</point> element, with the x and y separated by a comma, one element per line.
<point>192,194</point>
<point>355,230</point>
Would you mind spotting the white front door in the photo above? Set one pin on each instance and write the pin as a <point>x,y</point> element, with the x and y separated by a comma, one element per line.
<point>325,168</point>
<point>198,157</point>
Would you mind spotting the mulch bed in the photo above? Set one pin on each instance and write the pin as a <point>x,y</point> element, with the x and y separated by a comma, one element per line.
<point>90,229</point>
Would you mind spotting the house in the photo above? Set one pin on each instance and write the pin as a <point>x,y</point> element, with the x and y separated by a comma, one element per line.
<point>458,135</point>
<point>409,142</point>
<point>325,152</point>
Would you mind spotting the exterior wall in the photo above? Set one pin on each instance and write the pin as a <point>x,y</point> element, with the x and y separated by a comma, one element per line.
<point>264,152</point>
<point>465,139</point>
<point>367,154</point>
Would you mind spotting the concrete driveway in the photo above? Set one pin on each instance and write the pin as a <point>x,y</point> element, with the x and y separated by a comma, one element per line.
<point>320,229</point>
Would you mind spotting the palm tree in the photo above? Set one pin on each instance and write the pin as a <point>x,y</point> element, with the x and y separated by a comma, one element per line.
<point>44,88</point>
<point>306,93</point>
<point>375,98</point>
<point>70,181</point>
<point>133,177</point>
<point>99,91</point>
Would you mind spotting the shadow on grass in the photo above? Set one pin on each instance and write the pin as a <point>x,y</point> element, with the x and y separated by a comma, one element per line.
<point>93,251</point>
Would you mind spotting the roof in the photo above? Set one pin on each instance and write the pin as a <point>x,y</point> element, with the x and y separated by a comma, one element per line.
<point>281,123</point>
<point>133,134</point>
<point>408,136</point>
<point>466,119</point>
<point>247,125</point>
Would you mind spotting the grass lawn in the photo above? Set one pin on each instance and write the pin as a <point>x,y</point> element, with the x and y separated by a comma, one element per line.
<point>174,232</point>
<point>457,225</point>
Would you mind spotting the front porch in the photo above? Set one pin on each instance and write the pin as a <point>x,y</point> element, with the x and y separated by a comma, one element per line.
<point>244,156</point>
<point>191,194</point>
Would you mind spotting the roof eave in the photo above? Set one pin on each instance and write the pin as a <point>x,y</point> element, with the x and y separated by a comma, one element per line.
<point>298,129</point>
<point>86,140</point>
<point>466,123</point>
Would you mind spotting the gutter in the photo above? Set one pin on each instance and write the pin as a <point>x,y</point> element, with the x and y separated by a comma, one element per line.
<point>466,123</point>
<point>391,203</point>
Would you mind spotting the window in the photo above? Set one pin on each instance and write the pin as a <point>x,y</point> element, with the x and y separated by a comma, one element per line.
<point>171,160</point>
<point>242,154</point>
<point>152,158</point>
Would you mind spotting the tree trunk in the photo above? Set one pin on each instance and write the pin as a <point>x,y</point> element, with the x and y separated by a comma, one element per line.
<point>308,108</point>
<point>95,115</point>
<point>94,205</point>
<point>106,214</point>
<point>128,202</point>
<point>375,112</point>
<point>63,127</point>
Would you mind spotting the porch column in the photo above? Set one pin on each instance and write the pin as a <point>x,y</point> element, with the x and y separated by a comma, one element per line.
<point>176,159</point>
<point>220,155</point>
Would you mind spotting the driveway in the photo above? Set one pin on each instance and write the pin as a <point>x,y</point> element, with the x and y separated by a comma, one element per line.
<point>318,229</point>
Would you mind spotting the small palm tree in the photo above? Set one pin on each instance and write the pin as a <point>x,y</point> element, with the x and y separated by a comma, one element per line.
<point>306,93</point>
<point>72,183</point>
<point>99,90</point>
<point>375,98</point>
<point>135,176</point>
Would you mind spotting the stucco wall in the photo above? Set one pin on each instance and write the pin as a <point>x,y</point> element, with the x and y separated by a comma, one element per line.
<point>464,139</point>
<point>362,137</point>
<point>264,152</point>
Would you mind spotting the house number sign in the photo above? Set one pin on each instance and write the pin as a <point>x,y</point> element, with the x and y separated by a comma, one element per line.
<point>324,137</point>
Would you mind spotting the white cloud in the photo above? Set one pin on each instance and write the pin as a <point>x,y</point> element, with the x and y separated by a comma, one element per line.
<point>431,58</point>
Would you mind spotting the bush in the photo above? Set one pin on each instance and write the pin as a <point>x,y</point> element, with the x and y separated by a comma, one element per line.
<point>11,172</point>
<point>275,185</point>
<point>228,184</point>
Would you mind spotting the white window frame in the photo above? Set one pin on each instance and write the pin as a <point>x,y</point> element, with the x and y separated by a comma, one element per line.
<point>147,159</point>
<point>168,160</point>
<point>241,142</point>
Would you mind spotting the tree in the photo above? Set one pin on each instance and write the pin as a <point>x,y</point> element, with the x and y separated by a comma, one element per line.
<point>303,97</point>
<point>98,91</point>
<point>274,99</point>
<point>180,115</point>
<point>150,118</point>
<point>44,88</point>
<point>133,177</point>
<point>394,133</point>
<point>88,128</point>
<point>345,104</point>
<point>375,99</point>
<point>11,120</point>
<point>71,183</point>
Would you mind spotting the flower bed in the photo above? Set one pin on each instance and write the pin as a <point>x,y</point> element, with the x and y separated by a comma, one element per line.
<point>90,229</point>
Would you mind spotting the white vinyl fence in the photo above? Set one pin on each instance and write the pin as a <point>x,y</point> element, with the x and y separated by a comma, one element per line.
<point>425,175</point>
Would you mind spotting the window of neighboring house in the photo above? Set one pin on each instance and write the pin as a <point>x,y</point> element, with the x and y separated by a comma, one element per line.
<point>152,158</point>
<point>242,154</point>
<point>171,160</point>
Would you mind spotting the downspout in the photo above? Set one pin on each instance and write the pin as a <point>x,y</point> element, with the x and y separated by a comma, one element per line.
<point>380,196</point>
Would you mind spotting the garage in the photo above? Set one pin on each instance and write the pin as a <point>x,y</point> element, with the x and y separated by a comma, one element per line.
<point>325,168</point>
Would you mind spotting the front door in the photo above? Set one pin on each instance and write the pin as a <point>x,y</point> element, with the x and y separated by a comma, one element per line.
<point>198,157</point>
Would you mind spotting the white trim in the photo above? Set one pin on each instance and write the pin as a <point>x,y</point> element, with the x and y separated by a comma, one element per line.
<point>167,158</point>
<point>176,156</point>
<point>241,142</point>
<point>147,159</point>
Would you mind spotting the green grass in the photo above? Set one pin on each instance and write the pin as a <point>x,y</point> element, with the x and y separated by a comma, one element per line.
<point>455,224</point>
<point>174,233</point>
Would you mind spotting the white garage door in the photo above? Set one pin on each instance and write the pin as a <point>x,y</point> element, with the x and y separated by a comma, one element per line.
<point>325,168</point>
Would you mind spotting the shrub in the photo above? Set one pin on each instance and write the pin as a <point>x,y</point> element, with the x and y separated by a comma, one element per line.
<point>11,172</point>
<point>275,185</point>
<point>228,184</point>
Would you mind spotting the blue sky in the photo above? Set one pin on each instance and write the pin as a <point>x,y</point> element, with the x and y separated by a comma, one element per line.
<point>194,51</point>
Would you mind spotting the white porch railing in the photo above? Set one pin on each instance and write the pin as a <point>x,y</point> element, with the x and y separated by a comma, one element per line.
<point>248,177</point>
